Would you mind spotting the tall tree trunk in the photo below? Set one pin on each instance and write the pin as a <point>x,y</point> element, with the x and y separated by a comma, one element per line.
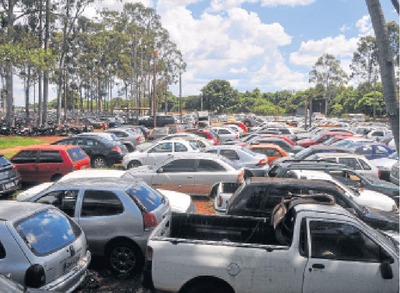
<point>46,72</point>
<point>386,62</point>
<point>9,72</point>
<point>28,82</point>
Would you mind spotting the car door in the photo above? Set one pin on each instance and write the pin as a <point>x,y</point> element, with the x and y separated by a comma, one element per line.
<point>26,163</point>
<point>177,175</point>
<point>102,207</point>
<point>342,258</point>
<point>209,173</point>
<point>65,199</point>
<point>50,163</point>
<point>158,153</point>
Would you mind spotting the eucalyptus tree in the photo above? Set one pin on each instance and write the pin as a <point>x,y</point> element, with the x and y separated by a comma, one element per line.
<point>387,64</point>
<point>327,75</point>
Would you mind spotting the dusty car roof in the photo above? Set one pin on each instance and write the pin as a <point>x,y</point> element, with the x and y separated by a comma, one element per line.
<point>11,210</point>
<point>103,182</point>
<point>49,147</point>
<point>288,182</point>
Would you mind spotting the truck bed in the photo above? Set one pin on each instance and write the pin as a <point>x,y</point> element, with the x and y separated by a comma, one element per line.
<point>221,228</point>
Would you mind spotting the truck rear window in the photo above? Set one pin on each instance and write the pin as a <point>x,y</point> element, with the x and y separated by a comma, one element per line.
<point>47,231</point>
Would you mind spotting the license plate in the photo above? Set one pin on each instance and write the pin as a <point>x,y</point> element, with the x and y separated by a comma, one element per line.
<point>70,263</point>
<point>9,185</point>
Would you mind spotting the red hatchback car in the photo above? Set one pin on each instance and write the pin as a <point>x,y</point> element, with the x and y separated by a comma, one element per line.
<point>44,163</point>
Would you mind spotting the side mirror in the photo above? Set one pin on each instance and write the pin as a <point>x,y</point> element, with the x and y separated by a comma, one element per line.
<point>386,270</point>
<point>160,170</point>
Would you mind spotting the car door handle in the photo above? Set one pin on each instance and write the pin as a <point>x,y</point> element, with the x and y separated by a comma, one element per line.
<point>189,177</point>
<point>318,266</point>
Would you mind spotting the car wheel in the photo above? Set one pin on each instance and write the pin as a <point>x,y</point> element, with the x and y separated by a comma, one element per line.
<point>124,258</point>
<point>206,286</point>
<point>134,164</point>
<point>56,177</point>
<point>99,162</point>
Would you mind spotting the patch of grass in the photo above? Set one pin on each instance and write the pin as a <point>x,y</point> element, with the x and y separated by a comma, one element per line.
<point>8,155</point>
<point>13,141</point>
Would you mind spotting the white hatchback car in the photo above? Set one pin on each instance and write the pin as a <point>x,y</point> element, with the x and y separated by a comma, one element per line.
<point>41,247</point>
<point>160,151</point>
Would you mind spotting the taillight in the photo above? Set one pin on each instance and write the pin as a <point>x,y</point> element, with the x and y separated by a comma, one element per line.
<point>379,174</point>
<point>149,253</point>
<point>117,149</point>
<point>149,220</point>
<point>35,277</point>
<point>240,178</point>
<point>237,135</point>
<point>139,138</point>
<point>219,201</point>
<point>261,163</point>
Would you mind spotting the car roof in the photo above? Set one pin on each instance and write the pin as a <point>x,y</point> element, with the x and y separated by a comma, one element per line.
<point>290,182</point>
<point>265,145</point>
<point>312,174</point>
<point>50,147</point>
<point>98,183</point>
<point>341,155</point>
<point>190,155</point>
<point>11,210</point>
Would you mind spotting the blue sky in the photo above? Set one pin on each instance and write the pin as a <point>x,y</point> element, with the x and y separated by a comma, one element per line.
<point>266,44</point>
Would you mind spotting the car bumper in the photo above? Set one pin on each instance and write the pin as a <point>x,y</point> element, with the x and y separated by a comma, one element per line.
<point>71,280</point>
<point>8,186</point>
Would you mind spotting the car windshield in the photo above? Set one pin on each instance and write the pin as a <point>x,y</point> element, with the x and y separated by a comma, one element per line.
<point>394,156</point>
<point>47,231</point>
<point>248,151</point>
<point>230,162</point>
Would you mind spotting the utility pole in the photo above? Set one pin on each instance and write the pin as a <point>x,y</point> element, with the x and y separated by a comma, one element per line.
<point>155,55</point>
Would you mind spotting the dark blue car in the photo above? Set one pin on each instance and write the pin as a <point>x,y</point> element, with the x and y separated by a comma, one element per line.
<point>373,150</point>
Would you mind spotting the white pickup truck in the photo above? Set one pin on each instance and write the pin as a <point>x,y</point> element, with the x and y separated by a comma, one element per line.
<point>307,247</point>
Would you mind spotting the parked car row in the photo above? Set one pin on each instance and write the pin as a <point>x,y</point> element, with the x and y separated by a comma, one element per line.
<point>249,175</point>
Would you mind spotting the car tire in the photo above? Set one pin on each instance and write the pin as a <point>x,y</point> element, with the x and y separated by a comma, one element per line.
<point>124,258</point>
<point>134,164</point>
<point>99,162</point>
<point>206,286</point>
<point>56,177</point>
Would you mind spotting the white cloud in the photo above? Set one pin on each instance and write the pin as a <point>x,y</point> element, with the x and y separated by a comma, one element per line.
<point>344,28</point>
<point>310,51</point>
<point>238,70</point>
<point>286,2</point>
<point>364,26</point>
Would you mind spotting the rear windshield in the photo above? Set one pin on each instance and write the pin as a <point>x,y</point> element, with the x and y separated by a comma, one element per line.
<point>77,154</point>
<point>4,162</point>
<point>147,197</point>
<point>47,231</point>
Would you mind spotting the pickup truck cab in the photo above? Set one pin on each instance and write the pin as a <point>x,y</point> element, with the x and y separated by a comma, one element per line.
<point>306,247</point>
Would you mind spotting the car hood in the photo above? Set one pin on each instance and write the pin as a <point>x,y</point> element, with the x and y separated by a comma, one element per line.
<point>376,200</point>
<point>31,192</point>
<point>180,202</point>
<point>381,219</point>
<point>138,170</point>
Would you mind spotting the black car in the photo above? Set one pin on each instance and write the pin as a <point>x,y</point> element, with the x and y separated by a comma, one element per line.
<point>161,121</point>
<point>10,179</point>
<point>258,196</point>
<point>102,152</point>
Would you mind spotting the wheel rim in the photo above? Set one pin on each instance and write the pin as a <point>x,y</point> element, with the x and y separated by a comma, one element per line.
<point>133,164</point>
<point>99,163</point>
<point>123,259</point>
